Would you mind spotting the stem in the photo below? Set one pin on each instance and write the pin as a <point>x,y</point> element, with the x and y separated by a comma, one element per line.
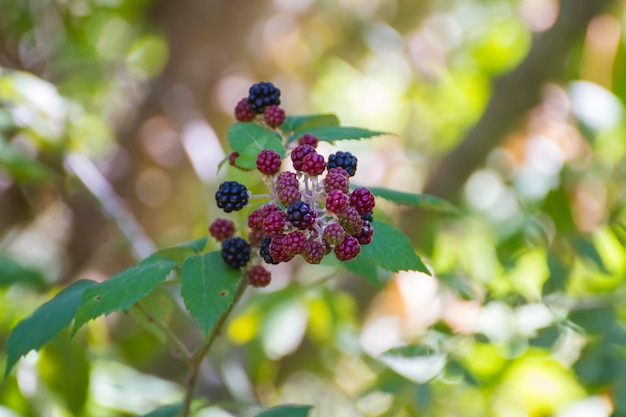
<point>180,346</point>
<point>196,360</point>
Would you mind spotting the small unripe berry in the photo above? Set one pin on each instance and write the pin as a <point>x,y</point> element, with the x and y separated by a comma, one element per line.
<point>348,249</point>
<point>294,242</point>
<point>307,139</point>
<point>222,229</point>
<point>243,112</point>
<point>274,116</point>
<point>336,179</point>
<point>314,252</point>
<point>313,164</point>
<point>259,276</point>
<point>336,201</point>
<point>334,234</point>
<point>274,224</point>
<point>362,200</point>
<point>268,162</point>
<point>298,154</point>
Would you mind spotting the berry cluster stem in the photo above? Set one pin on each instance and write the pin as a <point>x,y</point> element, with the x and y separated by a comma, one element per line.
<point>198,357</point>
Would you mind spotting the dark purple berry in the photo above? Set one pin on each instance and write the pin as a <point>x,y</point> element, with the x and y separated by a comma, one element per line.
<point>298,154</point>
<point>235,252</point>
<point>243,112</point>
<point>336,201</point>
<point>294,242</point>
<point>222,229</point>
<point>264,251</point>
<point>348,249</point>
<point>362,200</point>
<point>262,95</point>
<point>277,250</point>
<point>274,116</point>
<point>365,235</point>
<point>343,160</point>
<point>274,223</point>
<point>301,215</point>
<point>268,161</point>
<point>287,179</point>
<point>288,195</point>
<point>314,252</point>
<point>231,196</point>
<point>313,164</point>
<point>350,220</point>
<point>259,276</point>
<point>369,217</point>
<point>336,179</point>
<point>307,139</point>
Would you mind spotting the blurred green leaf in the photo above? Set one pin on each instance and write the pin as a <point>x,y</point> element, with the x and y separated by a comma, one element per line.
<point>558,206</point>
<point>586,249</point>
<point>391,250</point>
<point>361,266</point>
<point>123,290</point>
<point>410,351</point>
<point>288,410</point>
<point>45,323</point>
<point>249,139</point>
<point>308,121</point>
<point>172,410</point>
<point>457,283</point>
<point>180,252</point>
<point>455,368</point>
<point>208,287</point>
<point>558,274</point>
<point>596,366</point>
<point>414,199</point>
<point>22,168</point>
<point>12,272</point>
<point>335,133</point>
<point>545,338</point>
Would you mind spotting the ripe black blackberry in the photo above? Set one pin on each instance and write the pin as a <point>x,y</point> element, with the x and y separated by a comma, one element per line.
<point>235,252</point>
<point>231,196</point>
<point>264,251</point>
<point>262,95</point>
<point>301,215</point>
<point>344,160</point>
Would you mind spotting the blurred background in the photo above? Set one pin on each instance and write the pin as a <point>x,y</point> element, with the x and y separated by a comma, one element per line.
<point>113,119</point>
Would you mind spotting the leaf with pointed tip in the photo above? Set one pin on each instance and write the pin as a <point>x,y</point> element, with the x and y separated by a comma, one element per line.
<point>249,139</point>
<point>123,290</point>
<point>426,201</point>
<point>391,250</point>
<point>45,323</point>
<point>335,133</point>
<point>12,272</point>
<point>172,410</point>
<point>208,288</point>
<point>287,410</point>
<point>308,121</point>
<point>180,252</point>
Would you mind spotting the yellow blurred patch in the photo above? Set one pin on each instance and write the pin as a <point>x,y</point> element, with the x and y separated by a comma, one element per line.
<point>243,328</point>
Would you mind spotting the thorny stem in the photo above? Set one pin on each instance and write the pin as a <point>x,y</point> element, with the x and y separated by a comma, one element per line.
<point>180,346</point>
<point>197,358</point>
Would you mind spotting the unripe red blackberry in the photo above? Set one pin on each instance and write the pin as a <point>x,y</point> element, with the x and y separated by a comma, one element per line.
<point>288,195</point>
<point>313,164</point>
<point>350,221</point>
<point>307,139</point>
<point>336,179</point>
<point>231,196</point>
<point>294,242</point>
<point>336,201</point>
<point>343,160</point>
<point>365,235</point>
<point>243,112</point>
<point>259,276</point>
<point>264,251</point>
<point>287,179</point>
<point>255,220</point>
<point>235,252</point>
<point>298,154</point>
<point>277,250</point>
<point>301,215</point>
<point>274,223</point>
<point>362,200</point>
<point>255,237</point>
<point>262,95</point>
<point>222,229</point>
<point>274,116</point>
<point>334,234</point>
<point>268,161</point>
<point>348,249</point>
<point>314,252</point>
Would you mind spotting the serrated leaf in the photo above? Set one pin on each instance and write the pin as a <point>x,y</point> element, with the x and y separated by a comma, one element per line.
<point>391,250</point>
<point>361,266</point>
<point>208,287</point>
<point>180,252</point>
<point>249,139</point>
<point>425,201</point>
<point>287,410</point>
<point>156,307</point>
<point>172,410</point>
<point>123,290</point>
<point>410,351</point>
<point>12,272</point>
<point>308,121</point>
<point>335,133</point>
<point>45,323</point>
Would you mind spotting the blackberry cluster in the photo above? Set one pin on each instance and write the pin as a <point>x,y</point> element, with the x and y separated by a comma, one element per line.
<point>312,212</point>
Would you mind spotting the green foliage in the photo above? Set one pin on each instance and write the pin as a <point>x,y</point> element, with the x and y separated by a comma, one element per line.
<point>288,410</point>
<point>335,133</point>
<point>301,122</point>
<point>12,272</point>
<point>172,410</point>
<point>414,199</point>
<point>249,139</point>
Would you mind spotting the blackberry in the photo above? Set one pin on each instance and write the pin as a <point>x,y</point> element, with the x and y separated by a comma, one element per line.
<point>235,252</point>
<point>336,201</point>
<point>264,251</point>
<point>362,200</point>
<point>231,196</point>
<point>274,223</point>
<point>243,112</point>
<point>336,179</point>
<point>288,195</point>
<point>274,116</point>
<point>369,217</point>
<point>294,242</point>
<point>314,252</point>
<point>287,179</point>
<point>301,215</point>
<point>262,95</point>
<point>365,235</point>
<point>298,154</point>
<point>334,234</point>
<point>268,161</point>
<point>259,276</point>
<point>313,164</point>
<point>222,229</point>
<point>348,249</point>
<point>343,160</point>
<point>277,249</point>
<point>350,221</point>
<point>307,139</point>
<point>255,219</point>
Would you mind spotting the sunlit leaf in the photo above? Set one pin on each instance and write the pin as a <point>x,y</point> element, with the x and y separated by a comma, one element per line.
<point>180,252</point>
<point>249,139</point>
<point>45,323</point>
<point>391,250</point>
<point>208,287</point>
<point>426,201</point>
<point>172,410</point>
<point>308,121</point>
<point>123,290</point>
<point>288,410</point>
<point>335,133</point>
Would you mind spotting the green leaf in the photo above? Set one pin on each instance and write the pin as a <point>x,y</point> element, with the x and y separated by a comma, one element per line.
<point>21,167</point>
<point>361,266</point>
<point>123,290</point>
<point>410,351</point>
<point>426,201</point>
<point>172,410</point>
<point>45,323</point>
<point>159,307</point>
<point>180,252</point>
<point>12,272</point>
<point>287,410</point>
<point>208,287</point>
<point>391,250</point>
<point>587,249</point>
<point>335,133</point>
<point>249,139</point>
<point>546,338</point>
<point>308,121</point>
<point>559,271</point>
